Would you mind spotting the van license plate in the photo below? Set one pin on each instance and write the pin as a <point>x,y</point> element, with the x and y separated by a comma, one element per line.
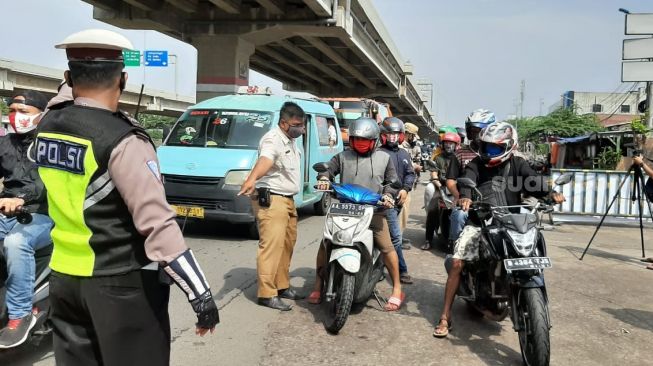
<point>190,211</point>
<point>347,209</point>
<point>520,264</point>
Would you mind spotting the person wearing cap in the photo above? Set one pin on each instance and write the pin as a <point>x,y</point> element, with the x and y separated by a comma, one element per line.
<point>23,190</point>
<point>410,145</point>
<point>117,247</point>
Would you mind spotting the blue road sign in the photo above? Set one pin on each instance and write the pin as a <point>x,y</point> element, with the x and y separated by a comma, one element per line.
<point>156,58</point>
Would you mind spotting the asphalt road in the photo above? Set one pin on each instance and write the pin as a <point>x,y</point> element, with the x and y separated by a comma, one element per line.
<point>602,309</point>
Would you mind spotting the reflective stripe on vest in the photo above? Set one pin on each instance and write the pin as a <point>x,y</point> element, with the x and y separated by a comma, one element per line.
<point>66,165</point>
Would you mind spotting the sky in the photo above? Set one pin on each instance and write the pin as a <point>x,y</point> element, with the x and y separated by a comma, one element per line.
<point>476,52</point>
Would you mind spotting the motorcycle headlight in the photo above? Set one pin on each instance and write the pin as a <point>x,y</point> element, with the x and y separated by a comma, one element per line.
<point>364,223</point>
<point>236,177</point>
<point>523,243</point>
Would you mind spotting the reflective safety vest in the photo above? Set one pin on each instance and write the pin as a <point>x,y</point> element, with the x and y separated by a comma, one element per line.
<point>93,234</point>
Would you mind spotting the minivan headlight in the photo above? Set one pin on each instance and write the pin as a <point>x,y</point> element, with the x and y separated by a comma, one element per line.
<point>236,177</point>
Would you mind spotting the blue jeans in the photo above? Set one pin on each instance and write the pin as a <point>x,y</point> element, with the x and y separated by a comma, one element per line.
<point>20,243</point>
<point>458,220</point>
<point>395,235</point>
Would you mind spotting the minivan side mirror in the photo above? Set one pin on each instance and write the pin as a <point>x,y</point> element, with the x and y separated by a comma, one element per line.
<point>166,132</point>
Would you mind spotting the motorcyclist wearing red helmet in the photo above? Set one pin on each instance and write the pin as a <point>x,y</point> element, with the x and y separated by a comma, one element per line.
<point>449,143</point>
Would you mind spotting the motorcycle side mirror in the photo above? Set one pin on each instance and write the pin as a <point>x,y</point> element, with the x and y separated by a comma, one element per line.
<point>563,179</point>
<point>466,182</point>
<point>321,167</point>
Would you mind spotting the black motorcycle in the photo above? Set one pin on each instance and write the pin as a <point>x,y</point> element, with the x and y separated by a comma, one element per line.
<point>41,299</point>
<point>508,279</point>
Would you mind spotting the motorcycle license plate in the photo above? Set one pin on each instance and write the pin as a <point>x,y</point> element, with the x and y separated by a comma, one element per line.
<point>520,264</point>
<point>190,211</point>
<point>347,209</point>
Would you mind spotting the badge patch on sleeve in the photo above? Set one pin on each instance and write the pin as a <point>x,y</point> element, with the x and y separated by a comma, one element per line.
<point>154,168</point>
<point>60,154</point>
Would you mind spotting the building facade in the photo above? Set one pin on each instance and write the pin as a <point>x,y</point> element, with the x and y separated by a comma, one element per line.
<point>613,110</point>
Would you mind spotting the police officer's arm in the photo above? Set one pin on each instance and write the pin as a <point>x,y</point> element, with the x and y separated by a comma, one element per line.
<point>268,154</point>
<point>133,168</point>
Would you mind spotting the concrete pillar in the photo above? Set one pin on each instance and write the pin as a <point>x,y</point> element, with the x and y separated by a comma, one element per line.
<point>222,64</point>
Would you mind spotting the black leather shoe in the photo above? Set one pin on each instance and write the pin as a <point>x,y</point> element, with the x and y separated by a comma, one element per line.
<point>290,294</point>
<point>274,303</point>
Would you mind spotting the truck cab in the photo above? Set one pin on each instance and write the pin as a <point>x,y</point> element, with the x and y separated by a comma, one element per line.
<point>211,149</point>
<point>350,109</point>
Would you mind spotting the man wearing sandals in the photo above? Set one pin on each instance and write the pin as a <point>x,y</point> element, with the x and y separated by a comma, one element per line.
<point>497,144</point>
<point>366,166</point>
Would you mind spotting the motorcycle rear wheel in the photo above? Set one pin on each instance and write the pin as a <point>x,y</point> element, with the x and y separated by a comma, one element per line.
<point>534,335</point>
<point>339,308</point>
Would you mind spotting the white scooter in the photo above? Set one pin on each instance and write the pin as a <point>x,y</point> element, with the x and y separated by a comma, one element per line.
<point>354,263</point>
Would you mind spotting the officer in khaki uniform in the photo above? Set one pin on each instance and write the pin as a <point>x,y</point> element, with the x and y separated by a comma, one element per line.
<point>415,153</point>
<point>272,185</point>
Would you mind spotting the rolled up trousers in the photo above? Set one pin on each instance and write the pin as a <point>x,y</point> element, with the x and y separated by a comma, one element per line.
<point>277,227</point>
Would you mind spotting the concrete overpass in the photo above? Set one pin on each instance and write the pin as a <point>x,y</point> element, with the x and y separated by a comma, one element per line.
<point>17,76</point>
<point>330,48</point>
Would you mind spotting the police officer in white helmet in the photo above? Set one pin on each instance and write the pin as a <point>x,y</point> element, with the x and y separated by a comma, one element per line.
<point>117,246</point>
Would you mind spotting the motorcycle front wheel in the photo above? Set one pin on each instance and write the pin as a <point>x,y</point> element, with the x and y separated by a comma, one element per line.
<point>339,308</point>
<point>534,334</point>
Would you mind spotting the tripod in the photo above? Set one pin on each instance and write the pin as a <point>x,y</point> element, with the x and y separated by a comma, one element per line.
<point>636,195</point>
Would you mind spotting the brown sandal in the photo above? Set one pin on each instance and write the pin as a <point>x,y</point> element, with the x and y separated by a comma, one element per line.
<point>442,330</point>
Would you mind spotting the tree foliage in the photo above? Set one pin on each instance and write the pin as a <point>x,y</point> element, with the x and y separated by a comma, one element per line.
<point>150,121</point>
<point>4,108</point>
<point>563,122</point>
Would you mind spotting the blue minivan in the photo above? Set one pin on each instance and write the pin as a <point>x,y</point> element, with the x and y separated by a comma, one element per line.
<point>211,149</point>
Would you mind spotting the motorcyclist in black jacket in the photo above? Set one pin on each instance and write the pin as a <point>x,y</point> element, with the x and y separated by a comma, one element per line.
<point>23,190</point>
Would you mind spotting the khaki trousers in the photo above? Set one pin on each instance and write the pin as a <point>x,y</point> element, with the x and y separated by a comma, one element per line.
<point>277,226</point>
<point>405,212</point>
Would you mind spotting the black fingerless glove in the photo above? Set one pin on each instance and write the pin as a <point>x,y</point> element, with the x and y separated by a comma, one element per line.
<point>206,310</point>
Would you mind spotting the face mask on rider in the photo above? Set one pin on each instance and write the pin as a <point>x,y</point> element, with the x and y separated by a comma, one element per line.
<point>21,122</point>
<point>449,147</point>
<point>392,139</point>
<point>362,146</point>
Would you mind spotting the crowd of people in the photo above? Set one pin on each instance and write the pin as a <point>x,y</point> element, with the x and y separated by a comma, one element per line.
<point>71,162</point>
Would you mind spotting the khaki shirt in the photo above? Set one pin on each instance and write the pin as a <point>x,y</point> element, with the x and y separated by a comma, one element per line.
<point>283,178</point>
<point>415,152</point>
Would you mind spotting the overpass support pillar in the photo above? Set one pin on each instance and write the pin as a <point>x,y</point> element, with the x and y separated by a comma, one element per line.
<point>222,64</point>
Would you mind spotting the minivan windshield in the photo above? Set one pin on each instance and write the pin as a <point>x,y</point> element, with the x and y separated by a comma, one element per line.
<point>220,128</point>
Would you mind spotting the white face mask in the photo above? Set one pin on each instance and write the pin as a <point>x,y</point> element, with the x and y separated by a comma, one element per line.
<point>21,122</point>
